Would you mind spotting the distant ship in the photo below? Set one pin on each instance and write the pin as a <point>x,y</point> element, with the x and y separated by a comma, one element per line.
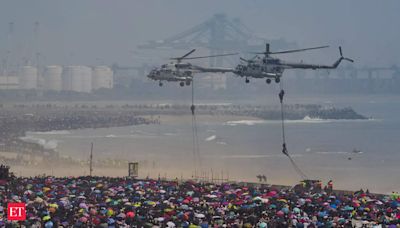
<point>357,151</point>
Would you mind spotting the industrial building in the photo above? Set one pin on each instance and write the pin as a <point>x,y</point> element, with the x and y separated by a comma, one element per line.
<point>58,78</point>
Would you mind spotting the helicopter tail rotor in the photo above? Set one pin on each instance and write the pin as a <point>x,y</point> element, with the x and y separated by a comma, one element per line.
<point>343,58</point>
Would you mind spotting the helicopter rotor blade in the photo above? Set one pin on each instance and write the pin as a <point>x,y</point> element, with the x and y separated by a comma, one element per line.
<point>298,50</point>
<point>184,56</point>
<point>348,59</point>
<point>211,56</point>
<point>289,51</point>
<point>190,52</point>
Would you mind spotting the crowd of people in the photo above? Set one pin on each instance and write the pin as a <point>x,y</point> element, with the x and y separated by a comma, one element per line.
<point>124,202</point>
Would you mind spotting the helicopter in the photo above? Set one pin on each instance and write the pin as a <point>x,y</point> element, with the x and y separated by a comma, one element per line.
<point>183,72</point>
<point>273,68</point>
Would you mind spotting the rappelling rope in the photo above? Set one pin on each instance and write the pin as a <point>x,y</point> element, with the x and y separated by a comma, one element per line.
<point>284,147</point>
<point>196,149</point>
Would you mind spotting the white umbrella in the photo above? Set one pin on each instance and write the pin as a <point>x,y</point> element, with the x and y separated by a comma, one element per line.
<point>200,216</point>
<point>171,224</point>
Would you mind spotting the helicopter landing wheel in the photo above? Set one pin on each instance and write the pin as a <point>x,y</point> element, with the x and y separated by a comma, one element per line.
<point>268,81</point>
<point>182,84</point>
<point>277,80</point>
<point>188,83</point>
<point>160,84</point>
<point>247,80</point>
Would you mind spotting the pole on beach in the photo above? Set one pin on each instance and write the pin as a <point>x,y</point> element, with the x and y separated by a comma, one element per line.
<point>91,160</point>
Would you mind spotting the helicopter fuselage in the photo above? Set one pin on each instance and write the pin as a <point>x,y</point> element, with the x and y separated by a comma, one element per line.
<point>169,72</point>
<point>260,68</point>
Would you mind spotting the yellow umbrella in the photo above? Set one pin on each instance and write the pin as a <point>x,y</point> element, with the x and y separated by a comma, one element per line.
<point>53,205</point>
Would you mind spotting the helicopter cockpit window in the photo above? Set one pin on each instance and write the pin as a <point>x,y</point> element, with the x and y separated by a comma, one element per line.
<point>274,61</point>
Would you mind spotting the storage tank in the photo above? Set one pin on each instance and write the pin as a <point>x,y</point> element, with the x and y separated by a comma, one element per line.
<point>77,78</point>
<point>86,79</point>
<point>52,78</point>
<point>28,77</point>
<point>102,77</point>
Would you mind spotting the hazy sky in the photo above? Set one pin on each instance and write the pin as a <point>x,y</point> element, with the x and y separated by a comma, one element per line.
<point>95,31</point>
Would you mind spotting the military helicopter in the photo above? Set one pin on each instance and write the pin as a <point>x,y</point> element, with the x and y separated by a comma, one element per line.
<point>183,72</point>
<point>272,68</point>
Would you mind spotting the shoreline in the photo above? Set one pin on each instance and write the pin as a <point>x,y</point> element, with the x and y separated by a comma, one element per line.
<point>123,173</point>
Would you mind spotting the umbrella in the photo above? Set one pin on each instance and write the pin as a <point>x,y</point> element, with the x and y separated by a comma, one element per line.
<point>200,216</point>
<point>184,207</point>
<point>280,213</point>
<point>262,225</point>
<point>211,196</point>
<point>53,205</point>
<point>160,219</point>
<point>272,193</point>
<point>83,219</point>
<point>83,205</point>
<point>28,192</point>
<point>285,210</point>
<point>130,214</point>
<point>110,221</point>
<point>121,215</point>
<point>171,224</point>
<point>348,208</point>
<point>38,200</point>
<point>282,200</point>
<point>48,224</point>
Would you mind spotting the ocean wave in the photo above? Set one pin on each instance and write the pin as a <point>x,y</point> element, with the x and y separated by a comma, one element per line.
<point>338,152</point>
<point>255,156</point>
<point>306,119</point>
<point>110,136</point>
<point>211,138</point>
<point>47,144</point>
<point>56,132</point>
<point>332,152</point>
<point>245,122</point>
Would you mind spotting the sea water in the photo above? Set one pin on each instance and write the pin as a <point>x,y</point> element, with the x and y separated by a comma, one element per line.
<point>323,149</point>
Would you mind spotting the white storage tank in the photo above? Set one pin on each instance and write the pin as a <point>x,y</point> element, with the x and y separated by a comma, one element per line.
<point>102,77</point>
<point>77,78</point>
<point>28,77</point>
<point>52,78</point>
<point>86,79</point>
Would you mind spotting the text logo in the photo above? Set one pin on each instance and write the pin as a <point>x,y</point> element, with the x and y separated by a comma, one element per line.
<point>16,211</point>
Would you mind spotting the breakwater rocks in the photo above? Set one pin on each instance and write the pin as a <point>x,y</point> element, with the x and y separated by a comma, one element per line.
<point>16,120</point>
<point>273,112</point>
